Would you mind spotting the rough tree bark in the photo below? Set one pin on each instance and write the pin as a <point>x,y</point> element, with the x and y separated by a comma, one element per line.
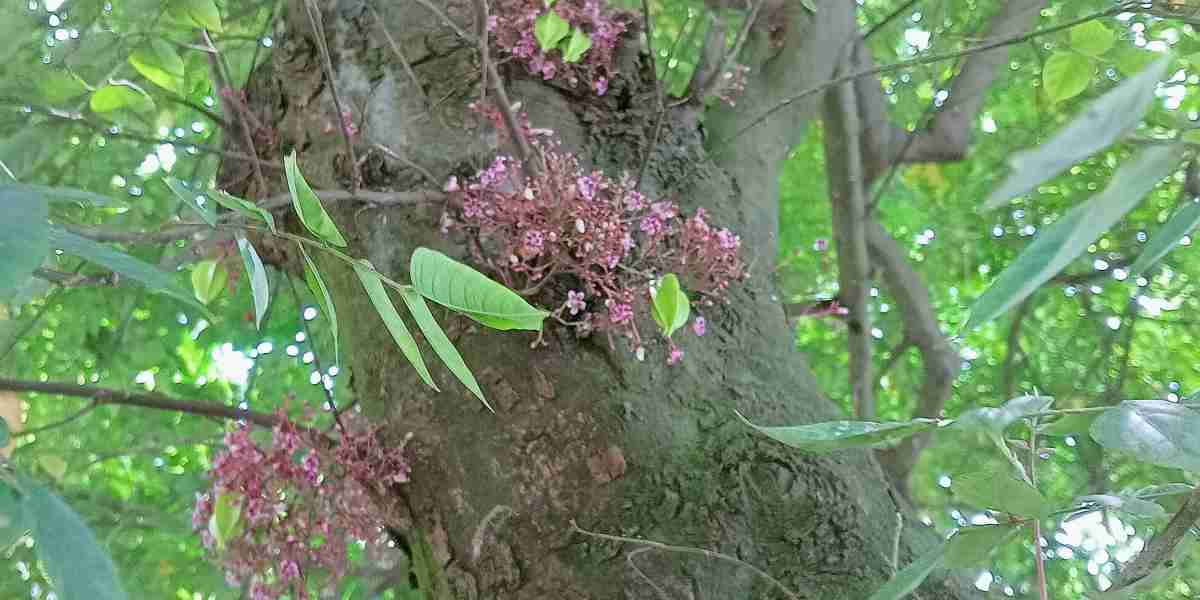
<point>584,432</point>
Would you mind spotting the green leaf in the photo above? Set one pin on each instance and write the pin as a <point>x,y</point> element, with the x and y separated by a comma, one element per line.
<point>1130,60</point>
<point>208,280</point>
<point>971,546</point>
<point>1068,237</point>
<point>1071,424</point>
<point>24,236</point>
<point>910,577</point>
<point>996,420</point>
<point>1103,122</point>
<point>308,206</point>
<point>226,520</point>
<point>60,85</point>
<point>61,194</point>
<point>119,95</point>
<point>1165,489</point>
<point>244,207</point>
<point>1180,224</point>
<point>259,286</point>
<point>391,319</point>
<point>838,435</point>
<point>158,61</point>
<point>1092,38</point>
<point>5,436</point>
<point>316,285</point>
<point>576,45</point>
<point>469,292</point>
<point>79,568</point>
<point>15,518</point>
<point>669,305</point>
<point>1130,505</point>
<point>1066,75</point>
<point>1153,431</point>
<point>999,490</point>
<point>203,13</point>
<point>550,29</point>
<point>152,277</point>
<point>442,346</point>
<point>193,200</point>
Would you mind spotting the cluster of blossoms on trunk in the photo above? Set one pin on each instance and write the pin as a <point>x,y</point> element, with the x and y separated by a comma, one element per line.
<point>300,502</point>
<point>589,244</point>
<point>511,26</point>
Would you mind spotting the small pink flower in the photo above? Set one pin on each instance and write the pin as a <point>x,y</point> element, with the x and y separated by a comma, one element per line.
<point>821,245</point>
<point>700,326</point>
<point>289,570</point>
<point>451,184</point>
<point>675,356</point>
<point>601,86</point>
<point>575,302</point>
<point>620,312</point>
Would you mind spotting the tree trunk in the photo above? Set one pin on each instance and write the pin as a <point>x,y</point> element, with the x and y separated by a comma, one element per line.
<point>583,431</point>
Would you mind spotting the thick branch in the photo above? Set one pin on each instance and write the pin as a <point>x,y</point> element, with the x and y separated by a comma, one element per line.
<point>849,213</point>
<point>939,361</point>
<point>151,400</point>
<point>1162,548</point>
<point>949,133</point>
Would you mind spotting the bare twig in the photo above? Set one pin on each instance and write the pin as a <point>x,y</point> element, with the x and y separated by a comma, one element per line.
<point>658,92</point>
<point>61,423</point>
<point>399,52</point>
<point>152,400</point>
<point>1039,557</point>
<point>221,80</point>
<point>318,24</point>
<point>690,550</point>
<point>408,163</point>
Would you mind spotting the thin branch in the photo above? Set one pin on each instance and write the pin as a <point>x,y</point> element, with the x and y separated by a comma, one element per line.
<point>1161,548</point>
<point>895,14</point>
<point>337,415</point>
<point>318,24</point>
<point>690,550</point>
<point>661,108</point>
<point>1039,557</point>
<point>1013,347</point>
<point>240,111</point>
<point>399,52</point>
<point>727,65</point>
<point>151,400</point>
<point>67,421</point>
<point>408,163</point>
<point>74,280</point>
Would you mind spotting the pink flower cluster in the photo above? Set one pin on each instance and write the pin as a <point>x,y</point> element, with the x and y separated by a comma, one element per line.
<point>601,241</point>
<point>300,507</point>
<point>512,27</point>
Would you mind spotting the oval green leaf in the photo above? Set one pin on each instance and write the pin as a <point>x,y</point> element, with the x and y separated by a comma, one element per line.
<point>119,95</point>
<point>24,236</point>
<point>576,45</point>
<point>79,568</point>
<point>308,206</point>
<point>226,520</point>
<point>669,305</point>
<point>837,435</point>
<point>550,29</point>
<point>1153,431</point>
<point>1066,75</point>
<point>1068,237</point>
<point>208,280</point>
<point>193,200</point>
<point>469,292</point>
<point>1092,38</point>
<point>971,546</point>
<point>391,319</point>
<point>910,577</point>
<point>996,420</point>
<point>157,61</point>
<point>203,13</point>
<point>999,490</point>
<point>244,207</point>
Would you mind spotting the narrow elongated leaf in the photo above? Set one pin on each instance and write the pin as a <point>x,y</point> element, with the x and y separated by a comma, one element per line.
<point>391,319</point>
<point>152,277</point>
<point>1068,237</point>
<point>1066,75</point>
<point>24,237</point>
<point>226,520</point>
<point>909,578</point>
<point>1069,424</point>
<point>972,546</point>
<point>838,435</point>
<point>1180,224</point>
<point>442,346</point>
<point>158,61</point>
<point>999,490</point>
<point>193,200</point>
<point>316,285</point>
<point>1128,504</point>
<point>4,434</point>
<point>244,207</point>
<point>80,569</point>
<point>1095,128</point>
<point>469,292</point>
<point>1153,431</point>
<point>61,194</point>
<point>996,420</point>
<point>308,206</point>
<point>1166,489</point>
<point>257,273</point>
